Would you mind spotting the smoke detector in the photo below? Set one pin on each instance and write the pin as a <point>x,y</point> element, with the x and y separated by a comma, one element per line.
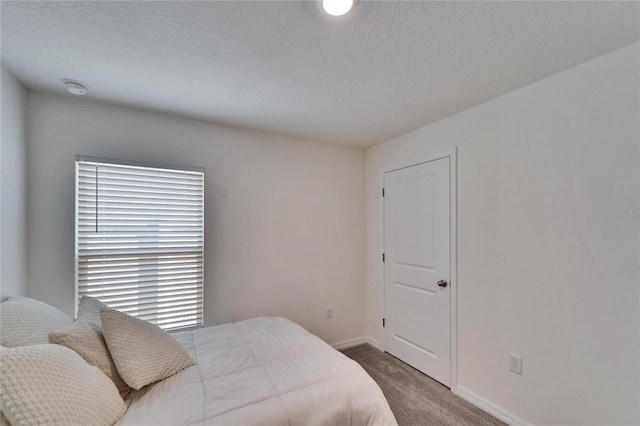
<point>75,87</point>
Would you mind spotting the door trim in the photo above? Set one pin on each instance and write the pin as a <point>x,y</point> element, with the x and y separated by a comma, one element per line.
<point>452,156</point>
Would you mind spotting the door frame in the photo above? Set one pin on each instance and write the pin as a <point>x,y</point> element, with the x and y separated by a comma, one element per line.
<point>452,156</point>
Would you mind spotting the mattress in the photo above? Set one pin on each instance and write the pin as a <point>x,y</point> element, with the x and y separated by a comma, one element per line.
<point>266,371</point>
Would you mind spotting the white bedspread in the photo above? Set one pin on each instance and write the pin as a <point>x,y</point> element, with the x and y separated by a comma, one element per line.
<point>261,371</point>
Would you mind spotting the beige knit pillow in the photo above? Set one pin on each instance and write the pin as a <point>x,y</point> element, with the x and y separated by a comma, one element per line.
<point>25,321</point>
<point>85,337</point>
<point>53,385</point>
<point>142,352</point>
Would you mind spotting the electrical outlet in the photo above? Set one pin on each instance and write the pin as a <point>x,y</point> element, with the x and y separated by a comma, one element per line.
<point>515,363</point>
<point>329,311</point>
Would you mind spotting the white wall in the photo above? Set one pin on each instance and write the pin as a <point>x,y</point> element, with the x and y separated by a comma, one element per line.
<point>284,218</point>
<point>543,271</point>
<point>13,231</point>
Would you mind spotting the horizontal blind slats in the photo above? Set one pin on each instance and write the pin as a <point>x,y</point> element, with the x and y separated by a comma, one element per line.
<point>179,230</point>
<point>125,268</point>
<point>125,285</point>
<point>124,208</point>
<point>151,172</point>
<point>121,251</point>
<point>90,195</point>
<point>107,270</point>
<point>142,286</point>
<point>108,189</point>
<point>140,240</point>
<point>151,306</point>
<point>151,301</point>
<point>93,276</point>
<point>117,185</point>
<point>167,316</point>
<point>164,314</point>
<point>134,202</point>
<point>131,258</point>
<point>137,220</point>
<point>139,299</point>
<point>89,176</point>
<point>150,217</point>
<point>163,237</point>
<point>146,276</point>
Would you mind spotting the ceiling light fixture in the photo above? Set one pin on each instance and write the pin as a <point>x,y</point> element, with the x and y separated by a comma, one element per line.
<point>75,87</point>
<point>337,7</point>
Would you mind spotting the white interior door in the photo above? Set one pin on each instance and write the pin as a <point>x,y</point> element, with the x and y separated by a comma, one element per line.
<point>417,267</point>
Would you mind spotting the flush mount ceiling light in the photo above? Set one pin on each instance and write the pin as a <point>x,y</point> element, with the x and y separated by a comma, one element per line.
<point>337,7</point>
<point>75,87</point>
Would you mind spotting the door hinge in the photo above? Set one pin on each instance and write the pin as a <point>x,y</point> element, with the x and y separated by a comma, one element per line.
<point>383,257</point>
<point>383,192</point>
<point>383,322</point>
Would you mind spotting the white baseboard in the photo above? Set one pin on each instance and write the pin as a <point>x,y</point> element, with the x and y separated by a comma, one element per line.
<point>490,407</point>
<point>374,342</point>
<point>344,344</point>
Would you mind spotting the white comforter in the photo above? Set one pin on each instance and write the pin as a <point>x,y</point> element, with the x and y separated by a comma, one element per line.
<point>261,371</point>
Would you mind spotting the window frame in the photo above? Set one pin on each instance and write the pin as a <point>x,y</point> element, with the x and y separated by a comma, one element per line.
<point>116,162</point>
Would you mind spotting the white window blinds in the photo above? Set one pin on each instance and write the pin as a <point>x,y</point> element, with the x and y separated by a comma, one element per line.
<point>140,239</point>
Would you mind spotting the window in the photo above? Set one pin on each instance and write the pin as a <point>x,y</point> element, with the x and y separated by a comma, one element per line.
<point>140,239</point>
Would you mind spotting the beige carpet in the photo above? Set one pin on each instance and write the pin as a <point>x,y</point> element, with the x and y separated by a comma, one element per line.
<point>415,398</point>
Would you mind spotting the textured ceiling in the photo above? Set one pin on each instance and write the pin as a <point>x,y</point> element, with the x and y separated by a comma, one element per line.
<point>385,69</point>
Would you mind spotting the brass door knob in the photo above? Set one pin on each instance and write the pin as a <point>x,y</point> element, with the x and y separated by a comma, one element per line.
<point>442,283</point>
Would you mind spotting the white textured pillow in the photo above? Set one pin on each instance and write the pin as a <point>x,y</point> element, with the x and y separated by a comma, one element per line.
<point>51,384</point>
<point>85,337</point>
<point>25,321</point>
<point>142,352</point>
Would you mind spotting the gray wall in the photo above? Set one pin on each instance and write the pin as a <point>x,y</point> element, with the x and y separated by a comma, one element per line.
<point>547,269</point>
<point>284,217</point>
<point>13,230</point>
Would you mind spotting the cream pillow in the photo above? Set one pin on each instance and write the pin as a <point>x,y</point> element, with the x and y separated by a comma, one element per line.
<point>85,337</point>
<point>25,321</point>
<point>142,352</point>
<point>53,385</point>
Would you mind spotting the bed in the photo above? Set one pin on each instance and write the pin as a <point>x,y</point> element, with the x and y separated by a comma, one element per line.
<point>261,371</point>
<point>266,370</point>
